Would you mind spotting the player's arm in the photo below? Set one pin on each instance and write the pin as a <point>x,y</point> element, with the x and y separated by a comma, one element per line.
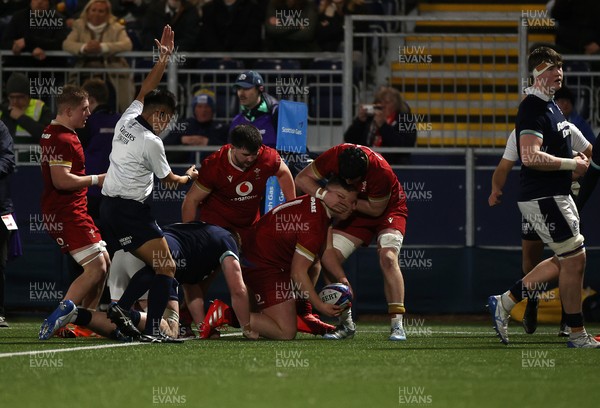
<point>195,195</point>
<point>498,180</point>
<point>63,179</point>
<point>286,181</point>
<point>239,293</point>
<point>372,207</point>
<point>194,299</point>
<point>165,49</point>
<point>173,180</point>
<point>331,262</point>
<point>299,274</point>
<point>533,157</point>
<point>308,182</point>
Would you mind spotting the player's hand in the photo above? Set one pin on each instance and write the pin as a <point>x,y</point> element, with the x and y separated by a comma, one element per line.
<point>582,165</point>
<point>336,202</point>
<point>249,333</point>
<point>329,309</point>
<point>166,45</point>
<point>192,172</point>
<point>494,198</point>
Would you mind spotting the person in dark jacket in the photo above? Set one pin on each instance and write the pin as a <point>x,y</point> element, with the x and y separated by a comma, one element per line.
<point>180,15</point>
<point>231,25</point>
<point>198,130</point>
<point>386,123</point>
<point>7,166</point>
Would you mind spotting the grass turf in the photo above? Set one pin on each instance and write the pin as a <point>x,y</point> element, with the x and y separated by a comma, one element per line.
<point>441,365</point>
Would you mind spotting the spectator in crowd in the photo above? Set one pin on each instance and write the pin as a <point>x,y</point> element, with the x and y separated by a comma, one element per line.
<point>231,25</point>
<point>330,31</point>
<point>198,130</point>
<point>36,29</point>
<point>258,108</point>
<point>577,31</point>
<point>291,25</point>
<point>71,9</point>
<point>7,166</point>
<point>180,15</point>
<point>386,123</point>
<point>565,99</point>
<point>7,9</point>
<point>24,116</point>
<point>96,38</point>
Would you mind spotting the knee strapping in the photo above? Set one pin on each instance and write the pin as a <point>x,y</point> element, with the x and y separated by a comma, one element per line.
<point>391,240</point>
<point>98,248</point>
<point>343,244</point>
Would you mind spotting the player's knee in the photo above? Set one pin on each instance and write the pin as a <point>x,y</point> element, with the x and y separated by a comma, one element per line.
<point>288,332</point>
<point>388,259</point>
<point>343,245</point>
<point>164,267</point>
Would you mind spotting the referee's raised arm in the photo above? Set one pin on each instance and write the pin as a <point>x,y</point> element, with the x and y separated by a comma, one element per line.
<point>165,49</point>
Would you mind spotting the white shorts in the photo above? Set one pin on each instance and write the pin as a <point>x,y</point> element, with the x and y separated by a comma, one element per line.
<point>123,266</point>
<point>556,221</point>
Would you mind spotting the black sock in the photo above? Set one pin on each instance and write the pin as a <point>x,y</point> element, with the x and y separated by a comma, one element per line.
<point>517,290</point>
<point>574,319</point>
<point>138,285</point>
<point>157,302</point>
<point>563,316</point>
<point>84,317</point>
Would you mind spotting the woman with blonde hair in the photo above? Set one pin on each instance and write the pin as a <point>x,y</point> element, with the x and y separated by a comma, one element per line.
<point>96,38</point>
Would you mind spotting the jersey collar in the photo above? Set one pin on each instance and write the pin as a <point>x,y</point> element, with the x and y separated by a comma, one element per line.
<point>144,123</point>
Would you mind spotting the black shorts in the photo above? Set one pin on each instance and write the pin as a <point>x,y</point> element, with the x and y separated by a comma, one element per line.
<point>129,223</point>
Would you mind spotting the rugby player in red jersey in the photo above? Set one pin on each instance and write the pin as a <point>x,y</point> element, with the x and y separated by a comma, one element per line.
<point>64,209</point>
<point>380,212</point>
<point>231,184</point>
<point>281,248</point>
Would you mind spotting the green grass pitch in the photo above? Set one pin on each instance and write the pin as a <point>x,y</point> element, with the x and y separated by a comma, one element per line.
<point>441,365</point>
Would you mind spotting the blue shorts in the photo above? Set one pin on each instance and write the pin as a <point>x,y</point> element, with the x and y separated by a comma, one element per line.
<point>129,223</point>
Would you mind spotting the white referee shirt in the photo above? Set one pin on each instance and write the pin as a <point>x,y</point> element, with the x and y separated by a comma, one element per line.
<point>578,142</point>
<point>137,154</point>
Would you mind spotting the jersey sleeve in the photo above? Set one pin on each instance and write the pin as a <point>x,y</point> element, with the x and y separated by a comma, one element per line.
<point>133,111</point>
<point>578,141</point>
<point>229,248</point>
<point>530,123</point>
<point>326,163</point>
<point>206,173</point>
<point>156,157</point>
<point>61,153</point>
<point>510,151</point>
<point>310,241</point>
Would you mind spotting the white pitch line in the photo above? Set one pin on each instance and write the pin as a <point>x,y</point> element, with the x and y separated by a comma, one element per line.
<point>64,350</point>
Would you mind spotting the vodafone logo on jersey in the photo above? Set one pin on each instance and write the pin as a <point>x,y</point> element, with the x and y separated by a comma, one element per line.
<point>244,188</point>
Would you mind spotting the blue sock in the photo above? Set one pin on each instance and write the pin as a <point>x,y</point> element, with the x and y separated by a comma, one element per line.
<point>138,285</point>
<point>157,302</point>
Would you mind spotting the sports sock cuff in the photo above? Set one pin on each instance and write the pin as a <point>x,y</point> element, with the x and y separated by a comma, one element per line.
<point>135,317</point>
<point>574,319</point>
<point>517,291</point>
<point>84,317</point>
<point>396,308</point>
<point>506,301</point>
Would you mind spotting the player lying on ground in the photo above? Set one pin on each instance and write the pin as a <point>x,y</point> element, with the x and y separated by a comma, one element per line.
<point>285,243</point>
<point>199,250</point>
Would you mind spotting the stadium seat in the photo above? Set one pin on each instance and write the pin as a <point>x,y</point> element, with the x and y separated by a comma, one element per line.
<point>326,90</point>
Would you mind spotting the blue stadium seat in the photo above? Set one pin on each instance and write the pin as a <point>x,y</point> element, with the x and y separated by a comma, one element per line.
<point>326,90</point>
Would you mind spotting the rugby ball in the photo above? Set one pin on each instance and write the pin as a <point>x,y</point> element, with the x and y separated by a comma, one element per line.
<point>336,294</point>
